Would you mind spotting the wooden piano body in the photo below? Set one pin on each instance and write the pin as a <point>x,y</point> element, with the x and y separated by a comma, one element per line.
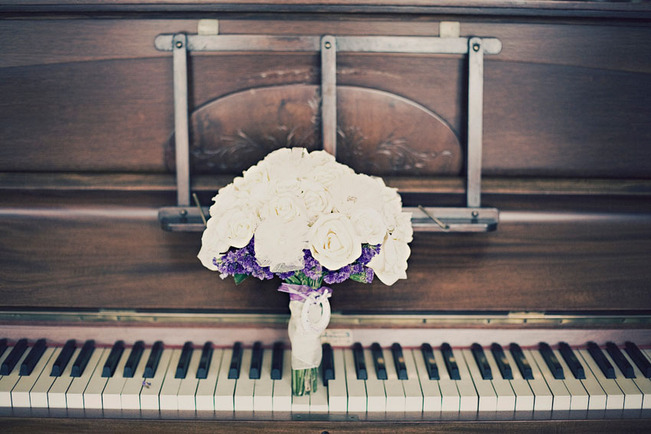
<point>87,159</point>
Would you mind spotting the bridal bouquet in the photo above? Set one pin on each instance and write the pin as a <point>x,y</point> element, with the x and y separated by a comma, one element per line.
<point>311,221</point>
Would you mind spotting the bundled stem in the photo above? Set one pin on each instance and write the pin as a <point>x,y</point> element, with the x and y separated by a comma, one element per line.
<point>304,381</point>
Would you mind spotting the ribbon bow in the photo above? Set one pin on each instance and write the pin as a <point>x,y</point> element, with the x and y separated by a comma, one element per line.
<point>310,297</point>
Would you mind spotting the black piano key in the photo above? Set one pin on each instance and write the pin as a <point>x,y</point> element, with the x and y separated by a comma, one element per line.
<point>204,361</point>
<point>256,361</point>
<point>327,364</point>
<point>184,360</point>
<point>82,359</point>
<point>133,359</point>
<point>551,361</point>
<point>521,361</point>
<point>33,357</point>
<point>64,358</point>
<point>277,356</point>
<point>3,346</point>
<point>360,363</point>
<point>502,362</point>
<point>450,361</point>
<point>154,358</point>
<point>14,356</point>
<point>430,361</point>
<point>620,360</point>
<point>571,361</point>
<point>378,361</point>
<point>399,361</point>
<point>638,358</point>
<point>601,360</point>
<point>114,357</point>
<point>236,362</point>
<point>482,363</point>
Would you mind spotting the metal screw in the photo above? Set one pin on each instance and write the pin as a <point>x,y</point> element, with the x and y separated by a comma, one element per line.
<point>327,44</point>
<point>183,212</point>
<point>475,214</point>
<point>179,44</point>
<point>475,47</point>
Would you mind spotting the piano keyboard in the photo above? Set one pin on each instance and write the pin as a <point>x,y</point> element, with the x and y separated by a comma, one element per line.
<point>430,380</point>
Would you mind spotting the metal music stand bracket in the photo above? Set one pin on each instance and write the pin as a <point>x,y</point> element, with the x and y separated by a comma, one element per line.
<point>473,218</point>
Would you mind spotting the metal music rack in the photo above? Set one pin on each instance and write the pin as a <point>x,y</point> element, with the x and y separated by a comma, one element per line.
<point>472,218</point>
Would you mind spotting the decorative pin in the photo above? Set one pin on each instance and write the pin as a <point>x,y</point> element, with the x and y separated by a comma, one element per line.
<point>196,202</point>
<point>442,225</point>
<point>146,383</point>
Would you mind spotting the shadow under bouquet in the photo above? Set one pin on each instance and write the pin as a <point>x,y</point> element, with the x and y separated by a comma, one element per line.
<point>311,221</point>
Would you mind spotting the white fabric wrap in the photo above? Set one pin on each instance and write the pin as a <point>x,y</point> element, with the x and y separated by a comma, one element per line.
<point>306,341</point>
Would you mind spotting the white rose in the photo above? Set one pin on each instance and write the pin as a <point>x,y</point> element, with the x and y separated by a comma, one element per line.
<point>402,229</point>
<point>369,225</point>
<point>333,241</point>
<point>316,198</point>
<point>287,206</point>
<point>355,191</point>
<point>279,244</point>
<point>328,173</point>
<point>212,245</point>
<point>391,263</point>
<point>285,163</point>
<point>235,227</point>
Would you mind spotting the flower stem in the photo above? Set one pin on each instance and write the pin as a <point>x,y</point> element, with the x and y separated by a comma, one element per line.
<point>304,381</point>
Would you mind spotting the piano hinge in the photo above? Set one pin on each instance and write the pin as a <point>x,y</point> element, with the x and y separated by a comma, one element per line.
<point>472,218</point>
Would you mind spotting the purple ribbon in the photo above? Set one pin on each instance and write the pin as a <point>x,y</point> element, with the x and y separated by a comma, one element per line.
<point>302,292</point>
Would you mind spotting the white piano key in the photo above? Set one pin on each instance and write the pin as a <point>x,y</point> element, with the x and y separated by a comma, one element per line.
<point>245,387</point>
<point>632,395</point>
<point>393,388</point>
<point>356,388</point>
<point>468,394</point>
<point>112,394</point>
<point>151,389</point>
<point>7,382</point>
<point>376,400</point>
<point>75,393</point>
<point>56,396</point>
<point>318,398</point>
<point>430,388</point>
<point>506,398</point>
<point>337,393</point>
<point>188,385</point>
<point>525,398</point>
<point>411,386</point>
<point>485,391</point>
<point>450,395</point>
<point>96,384</point>
<point>225,386</point>
<point>168,396</point>
<point>130,395</point>
<point>562,397</point>
<point>598,397</point>
<point>282,394</point>
<point>579,397</point>
<point>20,392</point>
<point>642,383</point>
<point>205,397</point>
<point>614,395</point>
<point>263,398</point>
<point>38,393</point>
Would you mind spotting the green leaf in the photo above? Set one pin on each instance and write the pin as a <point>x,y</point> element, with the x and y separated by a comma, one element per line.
<point>359,277</point>
<point>239,278</point>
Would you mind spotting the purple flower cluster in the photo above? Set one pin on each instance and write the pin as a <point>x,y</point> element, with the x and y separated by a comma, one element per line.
<point>243,262</point>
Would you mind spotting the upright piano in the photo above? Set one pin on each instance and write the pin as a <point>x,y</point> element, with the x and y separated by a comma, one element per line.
<point>517,132</point>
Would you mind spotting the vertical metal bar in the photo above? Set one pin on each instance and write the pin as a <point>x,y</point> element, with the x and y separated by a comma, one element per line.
<point>329,94</point>
<point>475,116</point>
<point>181,133</point>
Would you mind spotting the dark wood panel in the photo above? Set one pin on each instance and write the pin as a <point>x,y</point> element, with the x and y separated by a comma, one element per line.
<point>102,102</point>
<point>111,257</point>
<point>66,425</point>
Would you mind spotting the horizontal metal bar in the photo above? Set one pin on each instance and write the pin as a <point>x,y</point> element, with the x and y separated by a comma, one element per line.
<point>360,44</point>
